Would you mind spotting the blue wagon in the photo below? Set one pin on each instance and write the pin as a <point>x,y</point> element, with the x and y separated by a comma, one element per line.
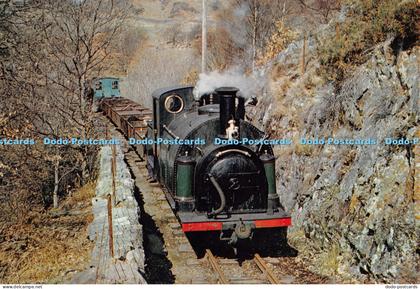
<point>106,87</point>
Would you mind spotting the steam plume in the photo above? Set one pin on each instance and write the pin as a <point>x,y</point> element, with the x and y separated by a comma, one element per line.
<point>248,85</point>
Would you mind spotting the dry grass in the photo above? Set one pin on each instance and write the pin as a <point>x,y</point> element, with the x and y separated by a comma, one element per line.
<point>53,261</point>
<point>48,249</point>
<point>354,203</point>
<point>190,78</point>
<point>303,149</point>
<point>367,24</point>
<point>84,194</point>
<point>282,37</point>
<point>297,239</point>
<point>328,262</point>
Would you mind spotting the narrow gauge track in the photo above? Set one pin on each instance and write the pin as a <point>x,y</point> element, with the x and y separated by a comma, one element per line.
<point>169,255</point>
<point>267,273</point>
<point>173,245</point>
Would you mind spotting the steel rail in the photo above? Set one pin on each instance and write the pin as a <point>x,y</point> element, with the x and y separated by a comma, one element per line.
<point>213,263</point>
<point>264,269</point>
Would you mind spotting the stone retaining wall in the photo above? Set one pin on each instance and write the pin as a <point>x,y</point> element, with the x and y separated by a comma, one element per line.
<point>127,264</point>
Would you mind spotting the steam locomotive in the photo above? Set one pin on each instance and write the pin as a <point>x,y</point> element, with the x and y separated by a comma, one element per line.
<point>213,180</point>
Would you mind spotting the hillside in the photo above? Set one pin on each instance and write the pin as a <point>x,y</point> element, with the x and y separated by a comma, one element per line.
<point>167,32</point>
<point>354,207</point>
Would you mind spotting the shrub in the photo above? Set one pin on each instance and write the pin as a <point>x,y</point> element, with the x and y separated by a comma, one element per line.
<point>190,78</point>
<point>367,23</point>
<point>281,37</point>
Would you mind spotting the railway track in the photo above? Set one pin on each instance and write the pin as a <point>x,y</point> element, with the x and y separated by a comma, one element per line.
<point>171,258</point>
<point>266,270</point>
<point>267,276</point>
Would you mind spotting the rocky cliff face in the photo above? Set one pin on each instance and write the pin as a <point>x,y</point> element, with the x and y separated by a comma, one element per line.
<point>352,205</point>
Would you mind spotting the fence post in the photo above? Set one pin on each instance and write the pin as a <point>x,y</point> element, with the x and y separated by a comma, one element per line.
<point>106,131</point>
<point>303,60</point>
<point>110,228</point>
<point>114,172</point>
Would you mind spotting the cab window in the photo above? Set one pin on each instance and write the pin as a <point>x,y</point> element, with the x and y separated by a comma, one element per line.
<point>174,104</point>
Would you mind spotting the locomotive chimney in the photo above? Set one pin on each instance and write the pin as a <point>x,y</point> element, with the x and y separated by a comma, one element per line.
<point>227,97</point>
<point>240,110</point>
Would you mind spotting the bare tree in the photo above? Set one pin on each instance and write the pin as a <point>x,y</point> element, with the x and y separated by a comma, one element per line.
<point>78,38</point>
<point>245,27</point>
<point>60,45</point>
<point>322,8</point>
